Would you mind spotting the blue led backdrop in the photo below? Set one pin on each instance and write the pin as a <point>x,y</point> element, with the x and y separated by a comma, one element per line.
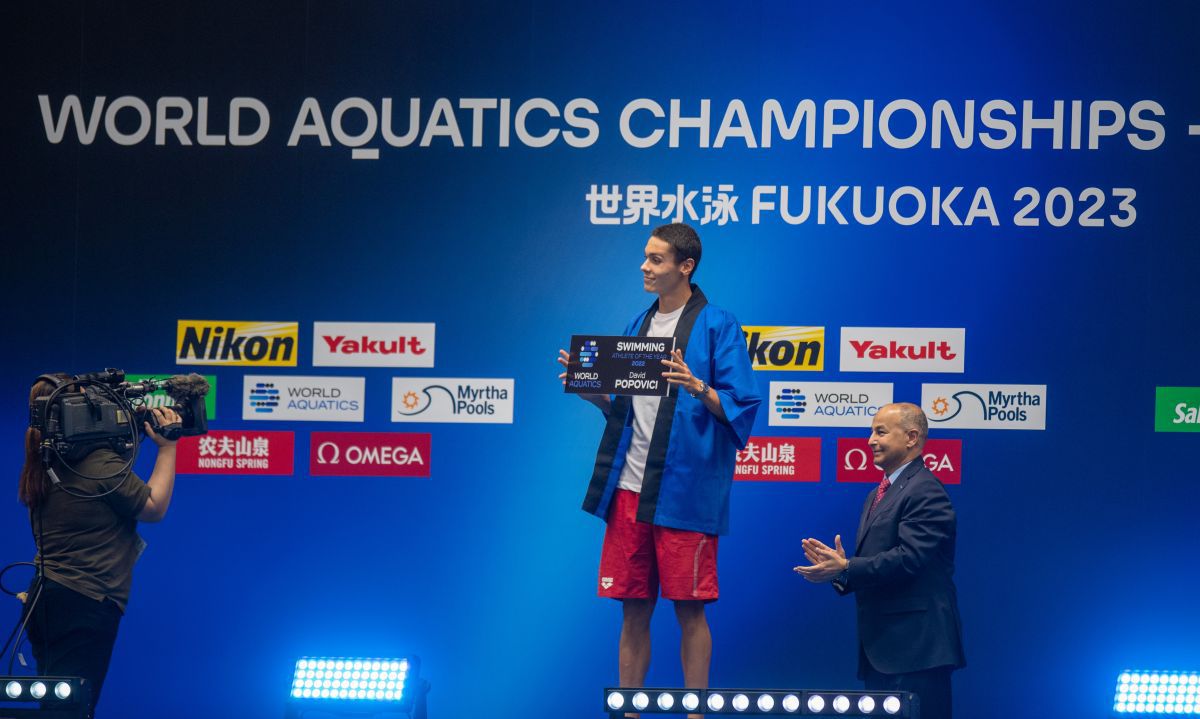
<point>395,214</point>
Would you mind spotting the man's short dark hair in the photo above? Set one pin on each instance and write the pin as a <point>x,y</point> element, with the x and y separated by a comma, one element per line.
<point>683,241</point>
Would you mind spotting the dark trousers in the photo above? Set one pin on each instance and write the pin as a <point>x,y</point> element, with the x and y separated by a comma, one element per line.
<point>73,635</point>
<point>931,685</point>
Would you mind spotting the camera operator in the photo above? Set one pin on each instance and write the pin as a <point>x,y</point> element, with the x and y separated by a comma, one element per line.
<point>87,543</point>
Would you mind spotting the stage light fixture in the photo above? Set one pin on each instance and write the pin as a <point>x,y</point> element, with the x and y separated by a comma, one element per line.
<point>790,703</point>
<point>1147,693</point>
<point>331,683</point>
<point>65,697</point>
<point>852,705</point>
<point>640,701</point>
<point>716,702</point>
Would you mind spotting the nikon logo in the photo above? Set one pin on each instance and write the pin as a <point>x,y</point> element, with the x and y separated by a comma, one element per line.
<point>236,343</point>
<point>786,348</point>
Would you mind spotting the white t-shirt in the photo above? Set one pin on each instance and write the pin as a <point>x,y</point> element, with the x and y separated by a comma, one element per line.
<point>645,410</point>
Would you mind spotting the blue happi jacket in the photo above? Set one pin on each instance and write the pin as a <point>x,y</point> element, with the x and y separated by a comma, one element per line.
<point>689,467</point>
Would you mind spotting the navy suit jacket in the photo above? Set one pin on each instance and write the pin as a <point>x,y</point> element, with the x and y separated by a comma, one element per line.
<point>902,578</point>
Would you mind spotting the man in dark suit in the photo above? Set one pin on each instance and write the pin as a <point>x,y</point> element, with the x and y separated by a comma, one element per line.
<point>909,632</point>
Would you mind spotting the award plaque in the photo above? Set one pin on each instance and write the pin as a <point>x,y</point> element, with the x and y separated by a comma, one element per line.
<point>618,365</point>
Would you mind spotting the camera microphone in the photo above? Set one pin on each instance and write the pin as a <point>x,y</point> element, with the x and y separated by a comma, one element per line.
<point>181,387</point>
<point>185,387</point>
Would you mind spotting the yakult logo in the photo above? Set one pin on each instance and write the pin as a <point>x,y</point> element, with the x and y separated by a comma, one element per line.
<point>369,454</point>
<point>373,344</point>
<point>903,349</point>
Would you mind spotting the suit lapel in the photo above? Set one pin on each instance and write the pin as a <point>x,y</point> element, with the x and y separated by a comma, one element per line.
<point>862,520</point>
<point>890,497</point>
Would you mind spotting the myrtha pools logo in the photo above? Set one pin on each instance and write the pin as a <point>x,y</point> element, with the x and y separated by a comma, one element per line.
<point>977,406</point>
<point>440,399</point>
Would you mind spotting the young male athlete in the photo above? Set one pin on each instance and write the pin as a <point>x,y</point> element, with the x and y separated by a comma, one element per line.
<point>665,465</point>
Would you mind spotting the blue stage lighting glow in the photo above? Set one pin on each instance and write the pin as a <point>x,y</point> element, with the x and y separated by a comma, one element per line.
<point>1152,692</point>
<point>350,679</point>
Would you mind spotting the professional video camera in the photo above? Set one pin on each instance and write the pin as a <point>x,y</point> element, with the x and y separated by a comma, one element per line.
<point>101,409</point>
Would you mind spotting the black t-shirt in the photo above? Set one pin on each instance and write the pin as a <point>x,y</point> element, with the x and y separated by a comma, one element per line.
<point>91,545</point>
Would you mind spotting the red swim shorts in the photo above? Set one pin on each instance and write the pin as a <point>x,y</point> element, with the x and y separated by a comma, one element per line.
<point>637,557</point>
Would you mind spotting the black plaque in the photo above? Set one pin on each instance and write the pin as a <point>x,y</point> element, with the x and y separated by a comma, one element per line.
<point>618,365</point>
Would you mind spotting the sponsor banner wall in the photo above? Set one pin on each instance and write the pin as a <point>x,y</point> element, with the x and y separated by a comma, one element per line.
<point>160,398</point>
<point>369,454</point>
<point>373,344</point>
<point>985,406</point>
<point>452,399</point>
<point>826,404</point>
<point>780,459</point>
<point>235,451</point>
<point>266,344</point>
<point>785,348</point>
<point>903,349</point>
<point>855,461</point>
<point>308,399</point>
<point>1177,409</point>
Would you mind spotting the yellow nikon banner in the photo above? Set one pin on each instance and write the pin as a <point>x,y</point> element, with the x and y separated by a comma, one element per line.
<point>785,348</point>
<point>217,342</point>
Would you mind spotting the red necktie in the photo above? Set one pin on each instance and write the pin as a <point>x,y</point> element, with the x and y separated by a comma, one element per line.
<point>883,488</point>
